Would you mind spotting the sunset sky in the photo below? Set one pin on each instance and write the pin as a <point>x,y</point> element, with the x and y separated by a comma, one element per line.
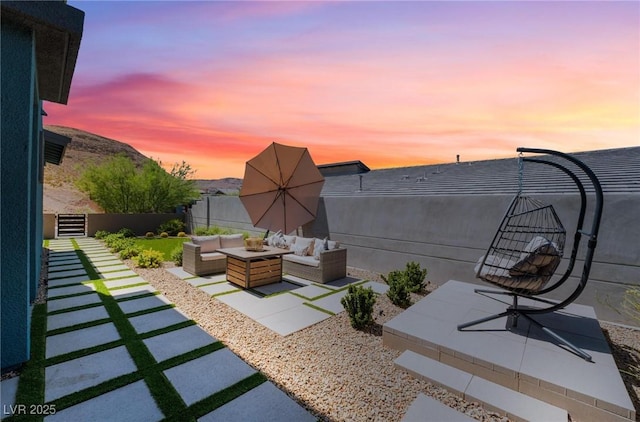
<point>389,83</point>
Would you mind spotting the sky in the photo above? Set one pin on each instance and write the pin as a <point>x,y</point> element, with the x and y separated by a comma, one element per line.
<point>392,84</point>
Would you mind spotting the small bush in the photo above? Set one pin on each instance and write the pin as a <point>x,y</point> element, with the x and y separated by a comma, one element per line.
<point>398,291</point>
<point>101,234</point>
<point>121,244</point>
<point>203,231</point>
<point>359,305</point>
<point>129,252</point>
<point>149,258</point>
<point>414,276</point>
<point>171,227</point>
<point>127,232</point>
<point>149,234</point>
<point>176,256</point>
<point>111,238</point>
<point>164,234</point>
<point>182,234</point>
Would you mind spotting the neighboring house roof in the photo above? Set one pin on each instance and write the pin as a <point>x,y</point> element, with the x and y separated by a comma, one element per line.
<point>58,31</point>
<point>54,147</point>
<point>346,167</point>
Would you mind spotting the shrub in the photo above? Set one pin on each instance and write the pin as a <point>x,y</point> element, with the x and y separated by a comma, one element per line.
<point>164,234</point>
<point>149,234</point>
<point>111,238</point>
<point>182,234</point>
<point>101,234</point>
<point>149,258</point>
<point>121,244</point>
<point>398,291</point>
<point>414,276</point>
<point>359,305</point>
<point>203,231</point>
<point>176,256</point>
<point>130,252</point>
<point>171,227</point>
<point>126,232</point>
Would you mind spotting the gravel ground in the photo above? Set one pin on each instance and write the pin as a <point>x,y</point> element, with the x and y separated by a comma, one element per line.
<point>338,373</point>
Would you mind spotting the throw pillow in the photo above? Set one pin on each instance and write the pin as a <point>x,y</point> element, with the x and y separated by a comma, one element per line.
<point>305,242</point>
<point>299,249</point>
<point>318,247</point>
<point>538,253</point>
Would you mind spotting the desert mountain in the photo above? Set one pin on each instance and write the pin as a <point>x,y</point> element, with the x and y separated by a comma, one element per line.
<point>60,194</point>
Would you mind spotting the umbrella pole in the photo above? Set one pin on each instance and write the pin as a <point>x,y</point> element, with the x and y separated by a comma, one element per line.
<point>266,234</point>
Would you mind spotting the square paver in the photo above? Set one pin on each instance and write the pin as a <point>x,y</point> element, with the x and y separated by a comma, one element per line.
<point>379,288</point>
<point>155,320</point>
<point>283,286</point>
<point>258,307</point>
<point>178,342</point>
<point>264,403</point>
<point>131,403</point>
<point>69,319</point>
<point>294,319</point>
<point>135,305</point>
<point>216,289</point>
<point>332,302</point>
<point>127,292</point>
<point>77,374</point>
<point>72,290</point>
<point>71,302</point>
<point>129,281</point>
<point>180,273</point>
<point>81,339</point>
<point>312,291</point>
<point>206,375</point>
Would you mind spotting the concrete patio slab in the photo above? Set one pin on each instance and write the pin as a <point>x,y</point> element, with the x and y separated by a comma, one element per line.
<point>379,288</point>
<point>297,280</point>
<point>58,263</point>
<point>273,288</point>
<point>66,266</point>
<point>132,403</point>
<point>204,376</point>
<point>218,288</point>
<point>72,302</point>
<point>103,257</point>
<point>293,319</point>
<point>81,339</point>
<point>180,273</point>
<point>68,280</point>
<point>311,292</point>
<point>127,292</point>
<point>264,403</point>
<point>178,342</point>
<point>256,307</point>
<point>68,273</point>
<point>135,305</point>
<point>437,411</point>
<point>341,283</point>
<point>331,303</point>
<point>77,374</point>
<point>119,274</point>
<point>155,320</point>
<point>122,282</point>
<point>72,290</point>
<point>69,319</point>
<point>113,263</point>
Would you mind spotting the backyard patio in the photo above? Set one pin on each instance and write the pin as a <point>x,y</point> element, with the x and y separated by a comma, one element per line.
<point>292,334</point>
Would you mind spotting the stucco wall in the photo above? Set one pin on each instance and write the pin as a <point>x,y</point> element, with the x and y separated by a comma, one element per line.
<point>447,235</point>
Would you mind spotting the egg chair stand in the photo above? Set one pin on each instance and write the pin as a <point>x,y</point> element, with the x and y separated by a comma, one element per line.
<point>528,247</point>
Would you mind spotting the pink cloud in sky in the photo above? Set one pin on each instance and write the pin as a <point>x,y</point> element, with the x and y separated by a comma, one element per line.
<point>391,84</point>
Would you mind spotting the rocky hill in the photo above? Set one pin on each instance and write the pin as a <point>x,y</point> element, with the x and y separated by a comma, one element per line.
<point>60,194</point>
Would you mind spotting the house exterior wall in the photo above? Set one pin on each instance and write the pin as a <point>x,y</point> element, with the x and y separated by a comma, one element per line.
<point>19,240</point>
<point>447,235</point>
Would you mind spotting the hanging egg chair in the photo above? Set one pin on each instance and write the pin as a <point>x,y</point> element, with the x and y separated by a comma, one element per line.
<point>529,246</point>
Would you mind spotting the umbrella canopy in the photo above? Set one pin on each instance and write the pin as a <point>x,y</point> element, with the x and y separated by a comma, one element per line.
<point>281,188</point>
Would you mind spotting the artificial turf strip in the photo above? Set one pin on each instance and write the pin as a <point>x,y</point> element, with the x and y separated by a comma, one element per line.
<point>54,360</point>
<point>317,308</point>
<point>151,310</point>
<point>75,308</point>
<point>31,383</point>
<point>79,326</point>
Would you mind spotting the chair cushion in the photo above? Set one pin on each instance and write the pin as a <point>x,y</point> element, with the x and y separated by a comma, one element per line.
<point>231,240</point>
<point>207,243</point>
<point>538,254</point>
<point>211,256</point>
<point>304,260</point>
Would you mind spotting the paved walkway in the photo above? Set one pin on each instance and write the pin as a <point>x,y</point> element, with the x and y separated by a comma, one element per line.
<point>108,346</point>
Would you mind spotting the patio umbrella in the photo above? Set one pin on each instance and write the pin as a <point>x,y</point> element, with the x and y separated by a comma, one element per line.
<point>281,188</point>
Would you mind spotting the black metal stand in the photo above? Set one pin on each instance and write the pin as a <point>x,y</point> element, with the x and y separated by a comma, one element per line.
<point>516,311</point>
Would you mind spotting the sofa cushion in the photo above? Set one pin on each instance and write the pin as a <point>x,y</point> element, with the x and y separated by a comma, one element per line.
<point>211,256</point>
<point>538,254</point>
<point>231,240</point>
<point>206,243</point>
<point>304,242</point>
<point>304,260</point>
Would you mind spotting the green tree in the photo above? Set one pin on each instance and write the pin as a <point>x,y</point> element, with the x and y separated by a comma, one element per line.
<point>118,186</point>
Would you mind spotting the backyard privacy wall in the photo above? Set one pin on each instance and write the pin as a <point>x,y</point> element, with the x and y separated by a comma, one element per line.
<point>139,223</point>
<point>447,235</point>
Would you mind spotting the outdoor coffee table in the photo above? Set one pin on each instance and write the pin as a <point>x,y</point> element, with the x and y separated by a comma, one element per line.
<point>251,269</point>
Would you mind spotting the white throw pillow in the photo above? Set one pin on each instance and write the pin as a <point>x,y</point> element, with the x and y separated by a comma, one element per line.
<point>318,247</point>
<point>299,249</point>
<point>305,242</point>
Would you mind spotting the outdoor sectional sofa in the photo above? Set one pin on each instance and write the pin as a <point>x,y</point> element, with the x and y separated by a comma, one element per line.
<point>318,260</point>
<point>200,256</point>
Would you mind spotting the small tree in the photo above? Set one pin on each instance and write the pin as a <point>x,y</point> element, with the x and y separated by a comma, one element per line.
<point>415,276</point>
<point>398,291</point>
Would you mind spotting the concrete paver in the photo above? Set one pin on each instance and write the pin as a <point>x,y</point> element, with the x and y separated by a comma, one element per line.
<point>71,290</point>
<point>293,319</point>
<point>8,389</point>
<point>68,281</point>
<point>178,342</point>
<point>122,282</point>
<point>81,339</point>
<point>134,305</point>
<point>71,302</point>
<point>155,320</point>
<point>67,319</point>
<point>127,292</point>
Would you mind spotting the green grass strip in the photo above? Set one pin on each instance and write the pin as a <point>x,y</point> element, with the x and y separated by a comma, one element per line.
<point>168,329</point>
<point>317,308</point>
<point>54,360</point>
<point>209,404</point>
<point>71,295</point>
<point>140,296</point>
<point>75,308</point>
<point>31,384</point>
<point>151,310</point>
<point>80,326</point>
<point>95,391</point>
